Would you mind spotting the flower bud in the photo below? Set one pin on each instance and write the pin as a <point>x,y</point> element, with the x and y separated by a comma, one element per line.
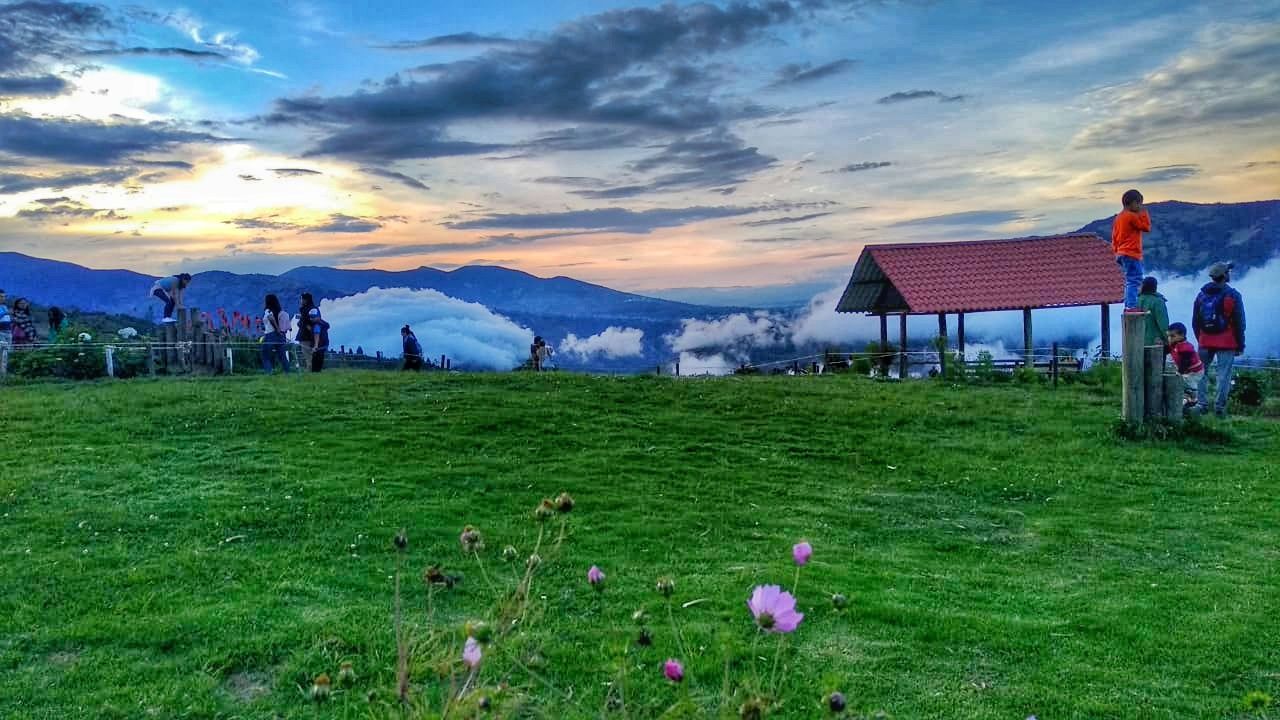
<point>544,510</point>
<point>564,502</point>
<point>471,540</point>
<point>346,675</point>
<point>666,586</point>
<point>480,630</point>
<point>509,553</point>
<point>321,687</point>
<point>835,702</point>
<point>402,541</point>
<point>534,561</point>
<point>434,575</point>
<point>644,638</point>
<point>752,709</point>
<point>839,601</point>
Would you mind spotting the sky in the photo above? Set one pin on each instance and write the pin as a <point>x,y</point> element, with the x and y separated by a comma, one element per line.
<point>637,145</point>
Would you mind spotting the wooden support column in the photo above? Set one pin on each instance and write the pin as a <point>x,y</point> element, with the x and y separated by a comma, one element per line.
<point>902,357</point>
<point>883,360</point>
<point>1153,381</point>
<point>1028,344</point>
<point>942,343</point>
<point>1106,332</point>
<point>884,332</point>
<point>1132,362</point>
<point>960,333</point>
<point>1174,390</point>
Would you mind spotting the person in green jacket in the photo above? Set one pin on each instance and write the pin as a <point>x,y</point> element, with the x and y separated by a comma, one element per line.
<point>1157,313</point>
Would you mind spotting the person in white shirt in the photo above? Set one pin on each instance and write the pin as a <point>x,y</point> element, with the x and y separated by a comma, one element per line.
<point>277,325</point>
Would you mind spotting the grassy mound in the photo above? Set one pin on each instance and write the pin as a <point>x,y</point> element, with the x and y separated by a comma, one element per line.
<point>206,548</point>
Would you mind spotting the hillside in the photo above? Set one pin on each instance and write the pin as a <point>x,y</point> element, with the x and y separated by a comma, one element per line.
<point>1186,238</point>
<point>240,544</point>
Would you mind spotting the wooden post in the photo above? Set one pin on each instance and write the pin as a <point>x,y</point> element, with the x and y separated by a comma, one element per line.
<point>1028,346</point>
<point>677,367</point>
<point>1153,380</point>
<point>1173,396</point>
<point>151,360</point>
<point>231,361</point>
<point>884,332</point>
<point>960,334</point>
<point>1133,327</point>
<point>111,362</point>
<point>170,343</point>
<point>1053,365</point>
<point>1106,332</point>
<point>902,357</point>
<point>942,344</point>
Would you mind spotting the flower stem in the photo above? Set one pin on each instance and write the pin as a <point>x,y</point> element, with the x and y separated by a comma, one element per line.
<point>671,614</point>
<point>485,574</point>
<point>773,675</point>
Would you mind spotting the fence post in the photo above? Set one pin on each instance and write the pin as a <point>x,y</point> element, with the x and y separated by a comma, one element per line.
<point>231,361</point>
<point>4,360</point>
<point>111,362</point>
<point>1153,380</point>
<point>1174,394</point>
<point>151,360</point>
<point>677,367</point>
<point>1132,364</point>
<point>1053,365</point>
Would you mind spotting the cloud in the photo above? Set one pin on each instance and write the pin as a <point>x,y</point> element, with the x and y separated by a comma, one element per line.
<point>1262,164</point>
<point>1230,80</point>
<point>86,142</point>
<point>32,86</point>
<point>972,217</point>
<point>340,223</point>
<point>65,210</point>
<point>32,33</point>
<point>294,172</point>
<point>175,164</point>
<point>465,39</point>
<point>613,219</point>
<point>250,178</point>
<point>1162,173</point>
<point>262,223</point>
<point>159,52</point>
<point>910,95</point>
<point>860,167</point>
<point>12,183</point>
<point>783,221</point>
<point>399,177</point>
<point>803,73</point>
<point>738,333</point>
<point>710,160</point>
<point>612,343</point>
<point>469,333</point>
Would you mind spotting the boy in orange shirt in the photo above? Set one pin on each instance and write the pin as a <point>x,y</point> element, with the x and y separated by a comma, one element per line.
<point>1126,242</point>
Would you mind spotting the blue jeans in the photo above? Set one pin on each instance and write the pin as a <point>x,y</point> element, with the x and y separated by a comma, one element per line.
<point>1133,272</point>
<point>273,353</point>
<point>1226,362</point>
<point>167,299</point>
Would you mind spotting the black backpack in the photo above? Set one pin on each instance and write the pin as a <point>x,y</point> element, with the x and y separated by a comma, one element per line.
<point>1213,313</point>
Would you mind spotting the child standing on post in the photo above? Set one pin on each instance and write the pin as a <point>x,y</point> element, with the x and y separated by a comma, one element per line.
<point>1188,363</point>
<point>1126,242</point>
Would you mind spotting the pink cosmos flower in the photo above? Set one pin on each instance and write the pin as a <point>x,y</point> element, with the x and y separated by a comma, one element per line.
<point>774,610</point>
<point>802,552</point>
<point>595,576</point>
<point>471,653</point>
<point>673,670</point>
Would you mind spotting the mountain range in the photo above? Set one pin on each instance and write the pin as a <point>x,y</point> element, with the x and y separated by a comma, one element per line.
<point>1187,238</point>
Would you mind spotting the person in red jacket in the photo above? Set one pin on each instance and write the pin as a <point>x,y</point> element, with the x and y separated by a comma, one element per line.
<point>1218,319</point>
<point>1187,361</point>
<point>1126,242</point>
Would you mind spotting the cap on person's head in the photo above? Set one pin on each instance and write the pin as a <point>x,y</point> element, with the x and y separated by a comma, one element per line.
<point>1178,328</point>
<point>1220,269</point>
<point>1148,285</point>
<point>315,312</point>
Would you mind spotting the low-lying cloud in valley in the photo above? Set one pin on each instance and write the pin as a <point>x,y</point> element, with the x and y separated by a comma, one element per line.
<point>613,343</point>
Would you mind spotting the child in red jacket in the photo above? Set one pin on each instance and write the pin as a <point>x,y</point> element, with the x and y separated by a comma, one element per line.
<point>1188,363</point>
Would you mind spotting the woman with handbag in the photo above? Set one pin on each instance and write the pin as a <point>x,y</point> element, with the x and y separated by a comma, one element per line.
<point>276,325</point>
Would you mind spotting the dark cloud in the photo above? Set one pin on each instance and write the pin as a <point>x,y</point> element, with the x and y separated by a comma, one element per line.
<point>340,223</point>
<point>294,172</point>
<point>37,30</point>
<point>50,210</point>
<point>53,201</point>
<point>262,223</point>
<point>465,39</point>
<point>175,164</point>
<point>85,142</point>
<point>972,217</point>
<point>786,220</point>
<point>859,167</point>
<point>11,183</point>
<point>577,181</point>
<point>1160,173</point>
<point>250,178</point>
<point>399,177</point>
<point>619,220</point>
<point>710,160</point>
<point>771,240</point>
<point>32,86</point>
<point>801,73</point>
<point>159,52</point>
<point>1262,164</point>
<point>910,95</point>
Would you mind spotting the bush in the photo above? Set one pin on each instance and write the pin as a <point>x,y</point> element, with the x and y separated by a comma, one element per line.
<point>1248,389</point>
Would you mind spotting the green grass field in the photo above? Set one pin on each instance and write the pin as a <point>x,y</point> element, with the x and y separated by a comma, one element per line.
<point>204,548</point>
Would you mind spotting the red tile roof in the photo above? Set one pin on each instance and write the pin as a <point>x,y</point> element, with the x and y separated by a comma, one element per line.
<point>951,277</point>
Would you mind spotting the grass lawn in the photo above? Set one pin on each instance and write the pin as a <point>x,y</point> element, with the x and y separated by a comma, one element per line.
<point>204,548</point>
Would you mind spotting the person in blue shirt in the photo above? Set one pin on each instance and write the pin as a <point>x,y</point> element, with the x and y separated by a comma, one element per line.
<point>320,338</point>
<point>169,290</point>
<point>6,333</point>
<point>412,349</point>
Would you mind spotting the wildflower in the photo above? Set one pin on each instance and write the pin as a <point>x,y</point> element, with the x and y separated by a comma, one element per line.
<point>320,688</point>
<point>595,576</point>
<point>471,540</point>
<point>802,552</point>
<point>564,502</point>
<point>480,630</point>
<point>835,701</point>
<point>666,586</point>
<point>402,540</point>
<point>774,609</point>
<point>544,510</point>
<point>471,653</point>
<point>534,561</point>
<point>509,553</point>
<point>839,601</point>
<point>673,670</point>
<point>346,675</point>
<point>644,638</point>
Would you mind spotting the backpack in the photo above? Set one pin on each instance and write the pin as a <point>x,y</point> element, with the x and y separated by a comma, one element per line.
<point>1213,315</point>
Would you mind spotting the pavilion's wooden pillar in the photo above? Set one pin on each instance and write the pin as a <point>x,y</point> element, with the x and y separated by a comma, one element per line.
<point>960,333</point>
<point>902,357</point>
<point>942,326</point>
<point>884,333</point>
<point>1106,332</point>
<point>884,360</point>
<point>1028,347</point>
<point>942,343</point>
